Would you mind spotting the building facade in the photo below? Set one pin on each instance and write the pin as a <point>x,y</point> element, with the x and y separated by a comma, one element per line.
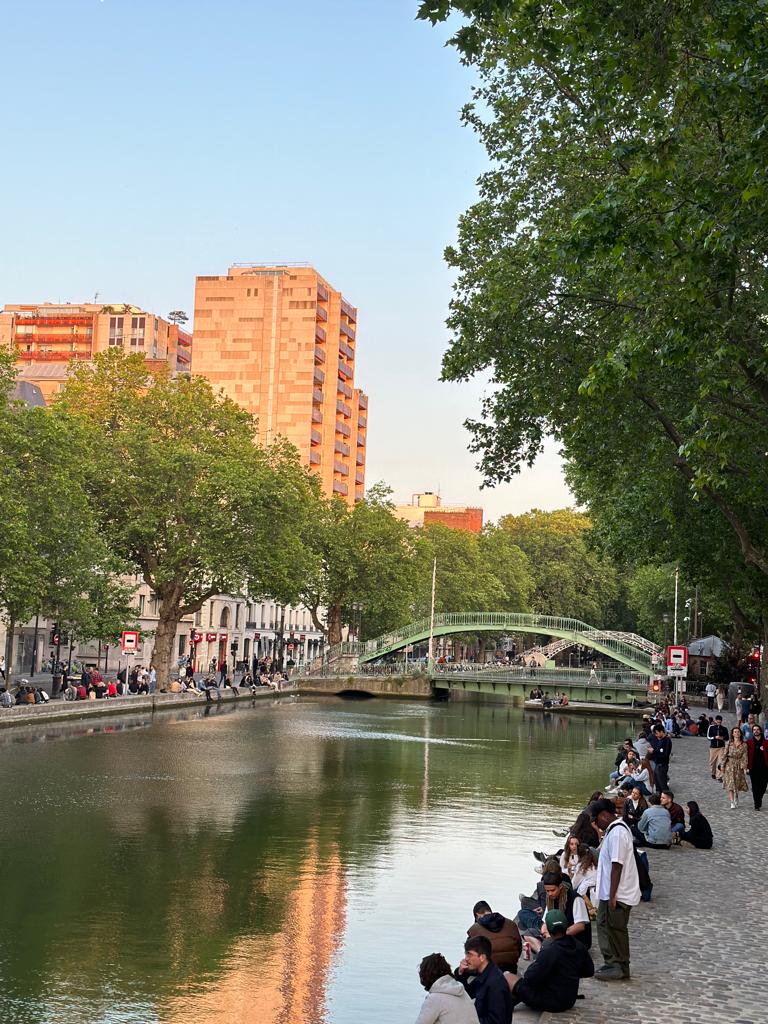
<point>281,342</point>
<point>49,337</point>
<point>427,507</point>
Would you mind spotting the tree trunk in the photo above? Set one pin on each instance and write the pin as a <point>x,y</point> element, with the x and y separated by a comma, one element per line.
<point>162,653</point>
<point>334,624</point>
<point>11,629</point>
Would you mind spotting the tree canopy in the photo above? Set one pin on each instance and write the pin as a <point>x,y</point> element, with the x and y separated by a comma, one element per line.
<point>611,276</point>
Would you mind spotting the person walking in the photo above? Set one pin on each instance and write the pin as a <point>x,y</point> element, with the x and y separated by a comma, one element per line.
<point>720,698</point>
<point>735,762</point>
<point>711,692</point>
<point>717,735</point>
<point>618,890</point>
<point>757,764</point>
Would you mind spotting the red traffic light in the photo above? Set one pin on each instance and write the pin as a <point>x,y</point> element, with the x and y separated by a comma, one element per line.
<point>656,686</point>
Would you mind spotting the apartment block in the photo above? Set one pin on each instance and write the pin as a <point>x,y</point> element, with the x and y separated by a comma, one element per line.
<point>280,341</point>
<point>49,338</point>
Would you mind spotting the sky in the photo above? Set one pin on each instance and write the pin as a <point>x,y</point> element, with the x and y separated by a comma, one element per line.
<point>150,141</point>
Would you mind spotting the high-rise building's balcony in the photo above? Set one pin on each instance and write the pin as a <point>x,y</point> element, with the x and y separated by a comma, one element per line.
<point>343,429</point>
<point>341,448</point>
<point>339,487</point>
<point>362,421</point>
<point>339,467</point>
<point>347,371</point>
<point>320,313</point>
<point>343,388</point>
<point>348,310</point>
<point>346,350</point>
<point>343,408</point>
<point>360,458</point>
<point>359,476</point>
<point>314,458</point>
<point>322,291</point>
<point>320,332</point>
<point>319,355</point>
<point>317,396</point>
<point>315,437</point>
<point>361,440</point>
<point>346,329</point>
<point>362,400</point>
<point>317,416</point>
<point>319,375</point>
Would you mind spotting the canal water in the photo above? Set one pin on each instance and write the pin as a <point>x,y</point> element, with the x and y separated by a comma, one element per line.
<point>281,864</point>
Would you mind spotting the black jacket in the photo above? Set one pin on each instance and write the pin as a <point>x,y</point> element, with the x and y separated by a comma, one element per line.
<point>661,749</point>
<point>552,981</point>
<point>490,991</point>
<point>699,833</point>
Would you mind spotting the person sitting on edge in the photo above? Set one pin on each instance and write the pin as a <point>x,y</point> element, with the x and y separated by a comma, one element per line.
<point>561,896</point>
<point>503,935</point>
<point>484,982</point>
<point>676,812</point>
<point>655,826</point>
<point>621,756</point>
<point>447,1001</point>
<point>699,834</point>
<point>551,983</point>
<point>634,807</point>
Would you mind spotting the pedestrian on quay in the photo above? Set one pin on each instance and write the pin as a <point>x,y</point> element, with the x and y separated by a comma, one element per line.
<point>717,735</point>
<point>484,982</point>
<point>720,698</point>
<point>551,983</point>
<point>711,691</point>
<point>618,890</point>
<point>757,765</point>
<point>502,933</point>
<point>735,763</point>
<point>660,756</point>
<point>447,1001</point>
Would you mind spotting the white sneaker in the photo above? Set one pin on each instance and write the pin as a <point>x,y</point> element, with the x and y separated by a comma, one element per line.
<point>733,804</point>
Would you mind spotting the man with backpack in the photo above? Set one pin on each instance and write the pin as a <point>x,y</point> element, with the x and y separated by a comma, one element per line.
<point>618,890</point>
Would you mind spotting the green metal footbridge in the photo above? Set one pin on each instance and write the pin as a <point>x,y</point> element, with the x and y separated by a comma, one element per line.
<point>628,649</point>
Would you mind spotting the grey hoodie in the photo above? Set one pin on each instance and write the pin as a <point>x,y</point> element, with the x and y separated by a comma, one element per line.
<point>447,1003</point>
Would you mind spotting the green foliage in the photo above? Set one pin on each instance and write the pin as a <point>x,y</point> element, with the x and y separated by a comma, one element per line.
<point>510,565</point>
<point>465,580</point>
<point>183,492</point>
<point>362,556</point>
<point>611,276</point>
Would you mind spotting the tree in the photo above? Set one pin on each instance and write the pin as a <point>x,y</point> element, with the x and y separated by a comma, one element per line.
<point>183,491</point>
<point>465,580</point>
<point>178,317</point>
<point>569,577</point>
<point>612,273</point>
<point>362,556</point>
<point>51,551</point>
<point>510,564</point>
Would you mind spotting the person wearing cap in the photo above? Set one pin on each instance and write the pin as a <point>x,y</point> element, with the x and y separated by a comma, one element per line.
<point>717,735</point>
<point>618,890</point>
<point>551,983</point>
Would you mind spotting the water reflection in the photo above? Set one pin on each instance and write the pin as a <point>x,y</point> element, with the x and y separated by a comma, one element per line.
<point>261,865</point>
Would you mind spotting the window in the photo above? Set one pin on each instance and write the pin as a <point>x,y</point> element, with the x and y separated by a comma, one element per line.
<point>153,604</point>
<point>210,618</point>
<point>142,601</point>
<point>198,618</point>
<point>137,331</point>
<point>116,331</point>
<point>182,645</point>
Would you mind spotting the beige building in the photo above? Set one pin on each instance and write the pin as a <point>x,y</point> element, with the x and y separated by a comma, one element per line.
<point>48,337</point>
<point>281,342</point>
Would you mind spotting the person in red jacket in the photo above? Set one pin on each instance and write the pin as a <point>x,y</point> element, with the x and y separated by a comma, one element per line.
<point>757,764</point>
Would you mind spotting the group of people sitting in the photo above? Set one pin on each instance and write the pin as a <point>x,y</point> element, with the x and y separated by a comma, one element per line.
<point>23,694</point>
<point>547,701</point>
<point>579,890</point>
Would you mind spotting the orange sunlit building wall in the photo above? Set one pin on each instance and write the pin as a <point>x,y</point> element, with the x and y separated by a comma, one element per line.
<point>280,341</point>
<point>49,337</point>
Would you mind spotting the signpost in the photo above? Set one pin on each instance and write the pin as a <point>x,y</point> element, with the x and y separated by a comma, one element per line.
<point>130,641</point>
<point>677,666</point>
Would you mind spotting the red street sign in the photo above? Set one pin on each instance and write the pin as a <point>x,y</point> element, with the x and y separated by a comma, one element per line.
<point>210,636</point>
<point>290,648</point>
<point>223,637</point>
<point>257,636</point>
<point>303,636</point>
<point>677,656</point>
<point>130,641</point>
<point>197,637</point>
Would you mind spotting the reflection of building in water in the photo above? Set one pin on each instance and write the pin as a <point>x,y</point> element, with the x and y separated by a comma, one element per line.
<point>278,978</point>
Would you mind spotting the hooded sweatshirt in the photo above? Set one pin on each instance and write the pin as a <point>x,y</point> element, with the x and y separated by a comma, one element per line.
<point>447,1003</point>
<point>504,936</point>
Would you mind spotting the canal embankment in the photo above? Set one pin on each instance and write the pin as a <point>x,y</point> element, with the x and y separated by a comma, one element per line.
<point>80,710</point>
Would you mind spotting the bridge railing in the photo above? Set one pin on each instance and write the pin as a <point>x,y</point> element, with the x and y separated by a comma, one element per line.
<point>548,677</point>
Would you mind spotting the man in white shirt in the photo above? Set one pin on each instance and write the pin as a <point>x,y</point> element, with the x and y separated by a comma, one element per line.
<point>618,890</point>
<point>710,690</point>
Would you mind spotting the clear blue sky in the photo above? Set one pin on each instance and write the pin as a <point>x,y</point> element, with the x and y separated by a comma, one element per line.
<point>147,141</point>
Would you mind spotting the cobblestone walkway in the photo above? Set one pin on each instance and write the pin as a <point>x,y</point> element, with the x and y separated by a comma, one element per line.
<point>698,949</point>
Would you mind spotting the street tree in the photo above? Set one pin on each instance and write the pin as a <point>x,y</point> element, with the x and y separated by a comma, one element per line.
<point>362,565</point>
<point>611,276</point>
<point>465,580</point>
<point>183,492</point>
<point>510,564</point>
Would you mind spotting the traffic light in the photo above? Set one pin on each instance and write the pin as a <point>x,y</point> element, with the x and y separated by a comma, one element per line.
<point>54,637</point>
<point>656,686</point>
